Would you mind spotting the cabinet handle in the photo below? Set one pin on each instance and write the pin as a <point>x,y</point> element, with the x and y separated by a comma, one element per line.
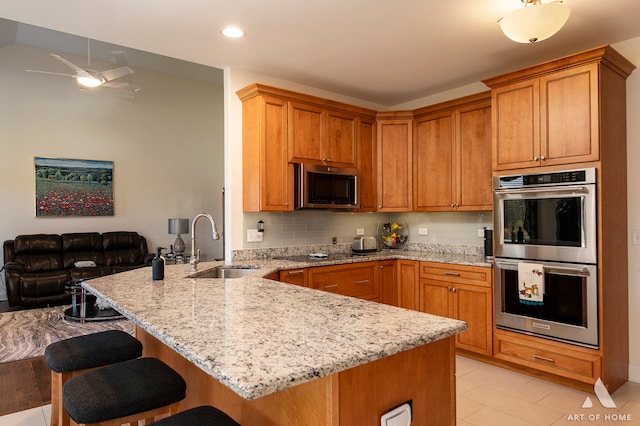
<point>542,157</point>
<point>296,272</point>
<point>326,159</point>
<point>379,206</point>
<point>453,274</point>
<point>544,358</point>
<point>362,282</point>
<point>454,290</point>
<point>449,288</point>
<point>535,158</point>
<point>452,205</point>
<point>331,286</point>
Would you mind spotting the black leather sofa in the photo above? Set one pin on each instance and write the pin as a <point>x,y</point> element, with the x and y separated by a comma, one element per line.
<point>37,267</point>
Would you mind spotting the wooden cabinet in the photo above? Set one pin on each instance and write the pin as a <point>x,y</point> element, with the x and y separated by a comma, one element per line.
<point>354,279</point>
<point>464,293</point>
<point>387,282</point>
<point>366,164</point>
<point>294,276</point>
<point>319,135</point>
<point>408,272</point>
<point>452,155</point>
<point>280,128</point>
<point>394,163</point>
<point>266,174</point>
<point>551,114</point>
<point>565,360</point>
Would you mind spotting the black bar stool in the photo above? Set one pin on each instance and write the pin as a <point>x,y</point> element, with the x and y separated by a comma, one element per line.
<point>70,357</point>
<point>199,416</point>
<point>138,389</point>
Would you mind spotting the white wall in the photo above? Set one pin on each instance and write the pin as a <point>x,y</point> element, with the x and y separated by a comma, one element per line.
<point>166,147</point>
<point>630,49</point>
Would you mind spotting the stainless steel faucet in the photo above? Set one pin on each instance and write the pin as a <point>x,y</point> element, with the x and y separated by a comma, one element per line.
<point>195,255</point>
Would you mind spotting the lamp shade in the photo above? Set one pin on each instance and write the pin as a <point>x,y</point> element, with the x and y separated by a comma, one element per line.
<point>178,226</point>
<point>536,22</point>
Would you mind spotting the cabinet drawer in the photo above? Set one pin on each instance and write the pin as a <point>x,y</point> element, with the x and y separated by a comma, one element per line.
<point>294,276</point>
<point>474,275</point>
<point>358,280</point>
<point>531,352</point>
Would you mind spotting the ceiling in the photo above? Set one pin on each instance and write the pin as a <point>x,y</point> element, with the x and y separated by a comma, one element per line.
<point>384,52</point>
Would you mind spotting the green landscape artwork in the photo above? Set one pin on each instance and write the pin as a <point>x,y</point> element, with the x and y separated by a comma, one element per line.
<point>66,187</point>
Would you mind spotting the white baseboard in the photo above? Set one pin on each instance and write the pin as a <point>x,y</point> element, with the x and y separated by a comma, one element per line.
<point>634,373</point>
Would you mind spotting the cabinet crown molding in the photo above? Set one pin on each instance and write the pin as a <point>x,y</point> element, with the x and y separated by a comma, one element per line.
<point>605,55</point>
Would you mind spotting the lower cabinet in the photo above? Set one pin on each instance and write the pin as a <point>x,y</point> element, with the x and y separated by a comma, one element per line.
<point>570,361</point>
<point>387,282</point>
<point>464,293</point>
<point>294,276</point>
<point>354,279</point>
<point>408,284</point>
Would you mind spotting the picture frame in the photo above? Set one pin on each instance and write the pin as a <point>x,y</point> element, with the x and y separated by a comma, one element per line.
<point>72,187</point>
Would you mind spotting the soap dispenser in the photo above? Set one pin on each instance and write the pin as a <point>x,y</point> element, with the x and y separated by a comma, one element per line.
<point>157,265</point>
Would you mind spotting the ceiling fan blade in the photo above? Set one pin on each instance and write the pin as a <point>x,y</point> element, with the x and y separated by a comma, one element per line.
<point>116,73</point>
<point>121,85</point>
<point>52,73</point>
<point>79,71</point>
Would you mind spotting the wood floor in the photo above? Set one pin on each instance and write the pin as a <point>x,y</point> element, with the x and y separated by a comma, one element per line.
<point>24,384</point>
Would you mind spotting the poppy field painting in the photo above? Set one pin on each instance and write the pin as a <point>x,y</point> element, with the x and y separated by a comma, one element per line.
<point>66,187</point>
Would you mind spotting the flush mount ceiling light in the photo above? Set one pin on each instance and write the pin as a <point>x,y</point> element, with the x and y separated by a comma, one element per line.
<point>233,32</point>
<point>536,21</point>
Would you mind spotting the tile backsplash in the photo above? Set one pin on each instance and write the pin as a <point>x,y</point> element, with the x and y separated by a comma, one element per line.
<point>306,231</point>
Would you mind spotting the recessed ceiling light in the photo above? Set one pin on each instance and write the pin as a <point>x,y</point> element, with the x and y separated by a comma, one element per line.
<point>233,32</point>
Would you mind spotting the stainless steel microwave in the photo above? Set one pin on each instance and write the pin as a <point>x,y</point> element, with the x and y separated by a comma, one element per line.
<point>326,187</point>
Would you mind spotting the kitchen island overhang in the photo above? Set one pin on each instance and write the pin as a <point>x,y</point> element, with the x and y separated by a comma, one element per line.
<point>259,337</point>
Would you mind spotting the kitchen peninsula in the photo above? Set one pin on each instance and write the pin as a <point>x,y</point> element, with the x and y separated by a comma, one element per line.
<point>272,353</point>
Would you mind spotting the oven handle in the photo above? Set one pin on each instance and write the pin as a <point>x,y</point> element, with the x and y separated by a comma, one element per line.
<point>531,190</point>
<point>581,271</point>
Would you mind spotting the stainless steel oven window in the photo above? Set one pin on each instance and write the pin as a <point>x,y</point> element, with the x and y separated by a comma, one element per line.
<point>571,311</point>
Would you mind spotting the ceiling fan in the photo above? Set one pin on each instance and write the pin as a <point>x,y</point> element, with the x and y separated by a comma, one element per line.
<point>89,77</point>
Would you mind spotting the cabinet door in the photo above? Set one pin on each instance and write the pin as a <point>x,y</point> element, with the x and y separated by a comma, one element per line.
<point>267,175</point>
<point>569,116</point>
<point>387,282</point>
<point>473,171</point>
<point>356,280</point>
<point>433,163</point>
<point>516,118</point>
<point>435,298</point>
<point>294,276</point>
<point>305,132</point>
<point>339,140</point>
<point>473,305</point>
<point>394,166</point>
<point>366,154</point>
<point>408,284</point>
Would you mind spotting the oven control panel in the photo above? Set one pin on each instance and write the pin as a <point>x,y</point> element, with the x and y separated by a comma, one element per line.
<point>568,177</point>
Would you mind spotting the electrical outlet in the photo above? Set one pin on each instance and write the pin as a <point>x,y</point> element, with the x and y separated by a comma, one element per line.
<point>359,231</point>
<point>635,237</point>
<point>481,233</point>
<point>423,231</point>
<point>253,236</point>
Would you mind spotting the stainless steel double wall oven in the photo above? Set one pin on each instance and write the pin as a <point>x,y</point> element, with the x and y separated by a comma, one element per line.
<point>548,219</point>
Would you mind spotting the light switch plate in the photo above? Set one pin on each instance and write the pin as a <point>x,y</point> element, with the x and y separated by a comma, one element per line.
<point>481,233</point>
<point>423,231</point>
<point>253,236</point>
<point>359,231</point>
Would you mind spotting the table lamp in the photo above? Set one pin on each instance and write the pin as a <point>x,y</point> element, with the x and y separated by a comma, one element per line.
<point>178,226</point>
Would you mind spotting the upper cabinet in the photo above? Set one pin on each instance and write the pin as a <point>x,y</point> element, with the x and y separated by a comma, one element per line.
<point>452,155</point>
<point>395,172</point>
<point>281,128</point>
<point>366,164</point>
<point>553,113</point>
<point>320,135</point>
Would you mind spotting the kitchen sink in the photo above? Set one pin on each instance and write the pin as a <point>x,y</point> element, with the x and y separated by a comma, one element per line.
<point>226,271</point>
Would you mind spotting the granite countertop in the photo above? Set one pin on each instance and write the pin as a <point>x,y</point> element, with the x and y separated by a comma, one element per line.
<point>258,336</point>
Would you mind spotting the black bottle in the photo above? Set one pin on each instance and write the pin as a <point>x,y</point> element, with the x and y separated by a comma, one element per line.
<point>520,235</point>
<point>157,265</point>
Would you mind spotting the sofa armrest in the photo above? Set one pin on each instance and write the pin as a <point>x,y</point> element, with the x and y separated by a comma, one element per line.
<point>14,266</point>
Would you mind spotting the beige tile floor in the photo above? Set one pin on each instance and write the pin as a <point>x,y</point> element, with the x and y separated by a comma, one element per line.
<point>490,396</point>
